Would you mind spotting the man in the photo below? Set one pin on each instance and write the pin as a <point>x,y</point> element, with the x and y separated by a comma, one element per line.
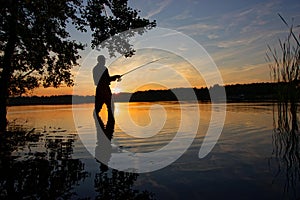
<point>103,93</point>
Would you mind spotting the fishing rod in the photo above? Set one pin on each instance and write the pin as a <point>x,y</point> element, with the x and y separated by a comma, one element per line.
<point>119,79</point>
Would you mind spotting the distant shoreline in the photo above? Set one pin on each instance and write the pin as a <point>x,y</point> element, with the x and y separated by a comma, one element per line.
<point>254,92</point>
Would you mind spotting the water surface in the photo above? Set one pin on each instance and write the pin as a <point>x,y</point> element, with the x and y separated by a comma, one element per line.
<point>242,165</point>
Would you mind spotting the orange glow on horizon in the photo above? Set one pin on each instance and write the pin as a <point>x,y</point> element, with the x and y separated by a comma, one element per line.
<point>248,74</point>
<point>51,91</point>
<point>151,86</point>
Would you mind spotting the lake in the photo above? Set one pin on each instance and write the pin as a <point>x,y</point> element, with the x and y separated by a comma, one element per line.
<point>245,163</point>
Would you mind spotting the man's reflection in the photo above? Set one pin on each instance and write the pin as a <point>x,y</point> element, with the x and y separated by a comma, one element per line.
<point>103,148</point>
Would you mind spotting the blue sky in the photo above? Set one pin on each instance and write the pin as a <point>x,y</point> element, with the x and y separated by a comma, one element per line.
<point>235,33</point>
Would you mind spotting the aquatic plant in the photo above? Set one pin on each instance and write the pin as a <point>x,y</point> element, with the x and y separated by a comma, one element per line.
<point>284,67</point>
<point>285,70</point>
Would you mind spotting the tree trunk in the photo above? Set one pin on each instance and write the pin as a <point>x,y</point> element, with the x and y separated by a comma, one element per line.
<point>7,65</point>
<point>3,105</point>
<point>4,82</point>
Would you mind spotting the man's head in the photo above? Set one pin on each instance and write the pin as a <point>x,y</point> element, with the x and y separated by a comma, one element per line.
<point>101,60</point>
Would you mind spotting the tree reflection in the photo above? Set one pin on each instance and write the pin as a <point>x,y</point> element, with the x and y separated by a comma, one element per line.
<point>40,166</point>
<point>46,173</point>
<point>40,178</point>
<point>111,183</point>
<point>286,147</point>
<point>114,184</point>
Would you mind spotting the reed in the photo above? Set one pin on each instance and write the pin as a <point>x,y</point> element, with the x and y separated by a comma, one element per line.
<point>284,67</point>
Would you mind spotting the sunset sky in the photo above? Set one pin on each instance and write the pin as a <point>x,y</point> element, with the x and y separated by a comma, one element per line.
<point>234,33</point>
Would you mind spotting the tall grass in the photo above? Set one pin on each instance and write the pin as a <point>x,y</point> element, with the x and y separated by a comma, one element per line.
<point>284,69</point>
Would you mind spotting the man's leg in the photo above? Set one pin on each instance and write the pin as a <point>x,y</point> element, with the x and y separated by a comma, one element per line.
<point>98,100</point>
<point>110,109</point>
<point>98,106</point>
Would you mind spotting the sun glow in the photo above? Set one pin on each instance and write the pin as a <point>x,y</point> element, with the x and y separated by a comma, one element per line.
<point>116,90</point>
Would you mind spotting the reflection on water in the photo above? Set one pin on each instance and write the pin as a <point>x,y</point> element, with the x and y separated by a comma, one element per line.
<point>112,184</point>
<point>152,127</point>
<point>286,147</point>
<point>54,164</point>
<point>38,165</point>
<point>104,135</point>
<point>41,163</point>
<point>119,185</point>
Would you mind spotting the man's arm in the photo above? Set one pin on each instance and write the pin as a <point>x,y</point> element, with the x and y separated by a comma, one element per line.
<point>115,77</point>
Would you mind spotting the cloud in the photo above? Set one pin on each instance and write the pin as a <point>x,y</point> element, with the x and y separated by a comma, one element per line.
<point>252,18</point>
<point>243,41</point>
<point>231,43</point>
<point>213,36</point>
<point>245,12</point>
<point>159,8</point>
<point>197,29</point>
<point>186,14</point>
<point>246,74</point>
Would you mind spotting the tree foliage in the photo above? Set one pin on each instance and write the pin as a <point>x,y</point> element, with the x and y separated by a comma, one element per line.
<point>117,17</point>
<point>43,52</point>
<point>35,44</point>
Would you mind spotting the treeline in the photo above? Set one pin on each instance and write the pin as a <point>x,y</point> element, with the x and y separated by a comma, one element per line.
<point>252,92</point>
<point>49,100</point>
<point>237,92</point>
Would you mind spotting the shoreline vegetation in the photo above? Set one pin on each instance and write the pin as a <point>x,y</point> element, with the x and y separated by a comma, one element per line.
<point>253,92</point>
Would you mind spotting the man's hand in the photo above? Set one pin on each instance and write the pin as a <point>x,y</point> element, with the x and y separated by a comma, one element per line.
<point>116,77</point>
<point>119,78</point>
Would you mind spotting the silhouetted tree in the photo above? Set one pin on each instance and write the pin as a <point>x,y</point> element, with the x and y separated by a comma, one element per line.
<point>35,46</point>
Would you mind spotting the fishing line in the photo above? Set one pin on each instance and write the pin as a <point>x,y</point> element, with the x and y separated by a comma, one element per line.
<point>128,72</point>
